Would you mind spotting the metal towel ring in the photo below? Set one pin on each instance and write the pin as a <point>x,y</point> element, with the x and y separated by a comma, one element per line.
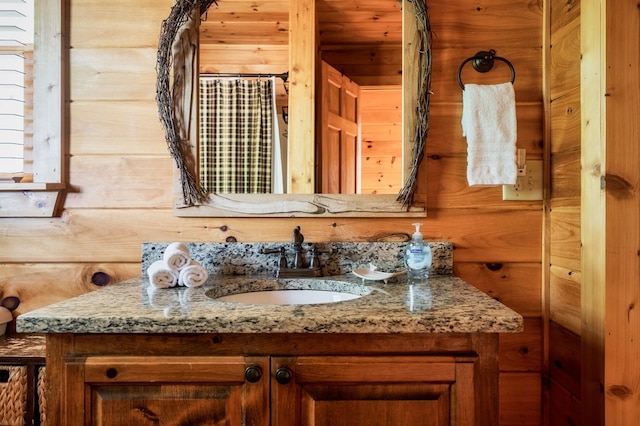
<point>483,62</point>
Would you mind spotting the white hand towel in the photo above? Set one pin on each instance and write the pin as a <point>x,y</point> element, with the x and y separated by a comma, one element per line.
<point>489,124</point>
<point>161,276</point>
<point>193,275</point>
<point>176,256</point>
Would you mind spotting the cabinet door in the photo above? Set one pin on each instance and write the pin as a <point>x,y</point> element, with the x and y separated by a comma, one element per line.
<point>118,390</point>
<point>372,391</point>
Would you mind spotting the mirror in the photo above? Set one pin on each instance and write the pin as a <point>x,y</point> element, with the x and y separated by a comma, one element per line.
<point>358,145</point>
<point>177,95</point>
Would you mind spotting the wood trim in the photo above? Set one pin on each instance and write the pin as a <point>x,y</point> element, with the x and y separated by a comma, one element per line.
<point>546,202</point>
<point>300,205</point>
<point>57,346</point>
<point>43,197</point>
<point>49,131</point>
<point>487,346</point>
<point>593,216</point>
<point>30,202</point>
<point>302,74</point>
<point>618,273</point>
<point>31,186</point>
<point>465,398</point>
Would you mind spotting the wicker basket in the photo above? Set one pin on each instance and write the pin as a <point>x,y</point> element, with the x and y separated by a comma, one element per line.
<point>13,394</point>
<point>42,397</point>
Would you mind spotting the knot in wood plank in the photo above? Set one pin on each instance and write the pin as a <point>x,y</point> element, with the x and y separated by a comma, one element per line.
<point>620,391</point>
<point>618,186</point>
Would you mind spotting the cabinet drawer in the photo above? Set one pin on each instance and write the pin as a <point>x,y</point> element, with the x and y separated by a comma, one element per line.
<point>13,394</point>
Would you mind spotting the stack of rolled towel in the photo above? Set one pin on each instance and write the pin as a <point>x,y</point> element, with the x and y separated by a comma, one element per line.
<point>177,268</point>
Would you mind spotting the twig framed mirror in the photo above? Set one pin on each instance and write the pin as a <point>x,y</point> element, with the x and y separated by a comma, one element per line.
<point>176,94</point>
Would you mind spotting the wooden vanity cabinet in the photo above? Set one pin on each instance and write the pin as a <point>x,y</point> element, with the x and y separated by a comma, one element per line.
<point>390,390</point>
<point>294,380</point>
<point>137,390</point>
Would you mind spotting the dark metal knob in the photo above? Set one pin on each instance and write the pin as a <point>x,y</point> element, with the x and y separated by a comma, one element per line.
<point>283,375</point>
<point>253,374</point>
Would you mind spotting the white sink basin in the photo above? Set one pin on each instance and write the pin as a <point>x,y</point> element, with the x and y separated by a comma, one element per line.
<point>297,291</point>
<point>289,297</point>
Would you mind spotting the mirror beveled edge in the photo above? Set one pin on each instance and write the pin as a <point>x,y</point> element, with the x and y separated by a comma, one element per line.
<point>176,100</point>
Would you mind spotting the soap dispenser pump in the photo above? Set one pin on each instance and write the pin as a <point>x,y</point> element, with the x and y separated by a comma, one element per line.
<point>417,257</point>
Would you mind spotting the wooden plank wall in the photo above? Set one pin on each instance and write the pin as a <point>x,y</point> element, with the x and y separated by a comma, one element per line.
<point>610,215</point>
<point>563,215</point>
<point>381,148</point>
<point>511,273</point>
<point>121,176</point>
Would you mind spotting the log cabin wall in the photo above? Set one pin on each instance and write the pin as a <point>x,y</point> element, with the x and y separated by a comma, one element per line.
<point>497,243</point>
<point>563,244</point>
<point>610,217</point>
<point>121,184</point>
<point>592,238</point>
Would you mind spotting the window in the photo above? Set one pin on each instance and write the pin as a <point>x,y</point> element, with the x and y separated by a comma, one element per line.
<point>34,152</point>
<point>16,60</point>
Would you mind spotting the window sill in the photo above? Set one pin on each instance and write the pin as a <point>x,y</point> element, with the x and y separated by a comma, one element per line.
<point>31,199</point>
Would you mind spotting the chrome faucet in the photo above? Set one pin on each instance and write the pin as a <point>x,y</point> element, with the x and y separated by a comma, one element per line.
<point>300,267</point>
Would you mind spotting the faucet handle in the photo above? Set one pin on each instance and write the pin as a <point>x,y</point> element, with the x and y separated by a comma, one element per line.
<point>282,262</point>
<point>315,260</point>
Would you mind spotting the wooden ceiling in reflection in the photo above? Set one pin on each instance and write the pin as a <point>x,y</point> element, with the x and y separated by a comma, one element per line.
<point>360,22</point>
<point>362,38</point>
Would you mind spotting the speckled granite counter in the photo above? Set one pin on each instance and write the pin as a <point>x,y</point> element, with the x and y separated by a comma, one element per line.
<point>443,304</point>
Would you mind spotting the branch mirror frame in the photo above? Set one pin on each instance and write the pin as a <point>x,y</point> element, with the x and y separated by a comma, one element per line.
<point>175,100</point>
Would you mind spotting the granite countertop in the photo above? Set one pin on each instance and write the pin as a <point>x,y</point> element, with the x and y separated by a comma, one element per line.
<point>441,304</point>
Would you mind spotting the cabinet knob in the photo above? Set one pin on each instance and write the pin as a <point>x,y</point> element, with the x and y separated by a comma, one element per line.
<point>283,375</point>
<point>253,374</point>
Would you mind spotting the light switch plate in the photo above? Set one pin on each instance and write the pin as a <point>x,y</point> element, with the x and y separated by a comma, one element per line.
<point>527,188</point>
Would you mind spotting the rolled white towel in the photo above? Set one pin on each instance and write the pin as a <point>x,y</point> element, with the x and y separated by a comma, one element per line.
<point>193,275</point>
<point>161,276</point>
<point>176,256</point>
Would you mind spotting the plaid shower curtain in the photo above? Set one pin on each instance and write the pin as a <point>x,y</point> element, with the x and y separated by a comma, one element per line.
<point>236,135</point>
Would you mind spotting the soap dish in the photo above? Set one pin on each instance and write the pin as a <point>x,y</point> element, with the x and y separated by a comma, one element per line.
<point>371,274</point>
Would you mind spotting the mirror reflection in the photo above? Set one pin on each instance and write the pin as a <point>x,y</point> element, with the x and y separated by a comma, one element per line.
<point>244,103</point>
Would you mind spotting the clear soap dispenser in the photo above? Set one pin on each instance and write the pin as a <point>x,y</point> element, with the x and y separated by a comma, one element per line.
<point>417,257</point>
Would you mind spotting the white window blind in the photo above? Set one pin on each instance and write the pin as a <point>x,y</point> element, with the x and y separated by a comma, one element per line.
<point>16,52</point>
